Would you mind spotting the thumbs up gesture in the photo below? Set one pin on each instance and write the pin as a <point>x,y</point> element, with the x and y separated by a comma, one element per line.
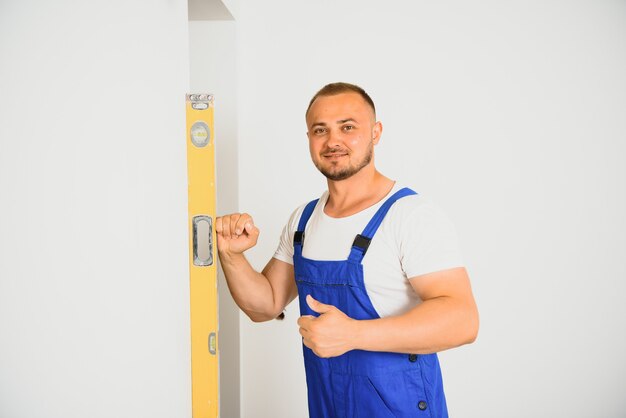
<point>330,334</point>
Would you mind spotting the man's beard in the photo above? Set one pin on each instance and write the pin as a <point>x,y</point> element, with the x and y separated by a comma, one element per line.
<point>348,171</point>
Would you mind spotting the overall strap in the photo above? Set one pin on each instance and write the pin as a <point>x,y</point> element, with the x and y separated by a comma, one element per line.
<point>362,240</point>
<point>298,236</point>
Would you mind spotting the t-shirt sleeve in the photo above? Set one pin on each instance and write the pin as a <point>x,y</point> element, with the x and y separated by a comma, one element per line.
<point>428,240</point>
<point>284,252</point>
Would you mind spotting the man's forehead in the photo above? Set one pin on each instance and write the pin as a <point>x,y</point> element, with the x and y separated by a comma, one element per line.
<point>349,105</point>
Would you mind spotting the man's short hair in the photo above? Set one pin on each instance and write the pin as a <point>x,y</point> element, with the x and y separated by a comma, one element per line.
<point>333,89</point>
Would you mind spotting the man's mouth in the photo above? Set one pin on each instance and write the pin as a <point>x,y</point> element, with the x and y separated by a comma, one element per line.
<point>335,154</point>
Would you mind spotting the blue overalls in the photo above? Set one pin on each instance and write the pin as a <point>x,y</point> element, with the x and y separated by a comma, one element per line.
<point>361,384</point>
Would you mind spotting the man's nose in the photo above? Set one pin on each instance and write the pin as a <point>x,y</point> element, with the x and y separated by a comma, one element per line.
<point>335,138</point>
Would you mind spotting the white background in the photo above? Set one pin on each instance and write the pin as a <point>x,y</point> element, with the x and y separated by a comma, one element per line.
<point>510,115</point>
<point>94,294</point>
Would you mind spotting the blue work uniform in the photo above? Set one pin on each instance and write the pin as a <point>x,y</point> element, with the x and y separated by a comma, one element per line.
<point>361,384</point>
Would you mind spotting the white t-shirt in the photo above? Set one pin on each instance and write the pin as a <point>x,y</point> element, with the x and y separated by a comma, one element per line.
<point>414,238</point>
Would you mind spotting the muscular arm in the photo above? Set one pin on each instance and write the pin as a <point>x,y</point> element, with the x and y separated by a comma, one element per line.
<point>446,318</point>
<point>262,296</point>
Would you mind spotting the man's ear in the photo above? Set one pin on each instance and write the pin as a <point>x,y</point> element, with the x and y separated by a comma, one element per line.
<point>377,131</point>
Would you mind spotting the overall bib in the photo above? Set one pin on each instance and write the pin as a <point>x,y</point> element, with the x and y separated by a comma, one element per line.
<point>361,384</point>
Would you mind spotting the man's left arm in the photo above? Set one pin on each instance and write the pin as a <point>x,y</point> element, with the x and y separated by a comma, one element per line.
<point>447,317</point>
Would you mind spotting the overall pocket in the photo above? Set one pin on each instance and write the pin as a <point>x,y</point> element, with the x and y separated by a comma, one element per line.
<point>399,394</point>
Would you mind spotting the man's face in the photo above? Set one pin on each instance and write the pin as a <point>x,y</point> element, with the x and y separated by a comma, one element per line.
<point>342,132</point>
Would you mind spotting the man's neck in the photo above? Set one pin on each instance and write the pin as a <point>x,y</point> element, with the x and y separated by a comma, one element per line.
<point>354,194</point>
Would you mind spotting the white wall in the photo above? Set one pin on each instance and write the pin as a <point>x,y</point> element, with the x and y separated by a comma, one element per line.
<point>511,116</point>
<point>94,311</point>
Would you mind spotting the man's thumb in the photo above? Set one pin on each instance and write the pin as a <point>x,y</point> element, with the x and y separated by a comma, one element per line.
<point>251,229</point>
<point>317,306</point>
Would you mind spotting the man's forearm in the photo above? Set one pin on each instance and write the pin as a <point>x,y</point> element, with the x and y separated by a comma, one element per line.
<point>435,325</point>
<point>250,289</point>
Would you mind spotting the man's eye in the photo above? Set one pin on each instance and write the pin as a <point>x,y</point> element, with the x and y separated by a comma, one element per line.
<point>348,127</point>
<point>319,131</point>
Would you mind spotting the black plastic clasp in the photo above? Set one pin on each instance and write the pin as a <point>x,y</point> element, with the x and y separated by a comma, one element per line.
<point>362,242</point>
<point>298,237</point>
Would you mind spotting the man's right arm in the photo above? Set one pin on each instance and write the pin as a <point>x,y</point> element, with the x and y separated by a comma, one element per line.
<point>262,296</point>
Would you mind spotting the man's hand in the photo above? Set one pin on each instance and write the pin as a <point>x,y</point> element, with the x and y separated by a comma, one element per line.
<point>328,335</point>
<point>235,233</point>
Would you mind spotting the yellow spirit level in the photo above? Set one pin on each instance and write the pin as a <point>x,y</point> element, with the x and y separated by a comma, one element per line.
<point>202,266</point>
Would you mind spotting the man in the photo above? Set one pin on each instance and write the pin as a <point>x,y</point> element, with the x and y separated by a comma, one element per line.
<point>376,268</point>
